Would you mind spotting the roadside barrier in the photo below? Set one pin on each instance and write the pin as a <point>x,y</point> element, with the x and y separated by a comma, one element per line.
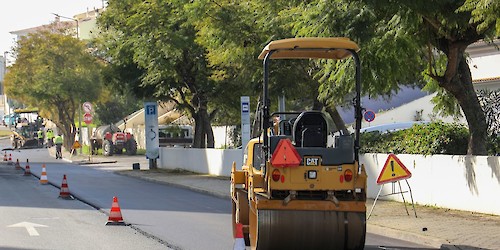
<point>115,215</point>
<point>239,242</point>
<point>43,177</point>
<point>27,171</point>
<point>64,194</point>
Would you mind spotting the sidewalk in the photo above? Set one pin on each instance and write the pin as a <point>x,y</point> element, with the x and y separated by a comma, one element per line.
<point>435,227</point>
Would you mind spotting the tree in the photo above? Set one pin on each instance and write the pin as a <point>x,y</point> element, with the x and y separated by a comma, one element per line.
<point>445,31</point>
<point>234,33</point>
<point>157,40</point>
<point>54,72</point>
<point>407,42</point>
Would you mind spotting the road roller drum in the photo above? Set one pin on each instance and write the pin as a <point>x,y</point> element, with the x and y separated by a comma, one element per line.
<point>285,229</point>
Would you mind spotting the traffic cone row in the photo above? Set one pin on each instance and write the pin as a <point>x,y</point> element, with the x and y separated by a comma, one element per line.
<point>27,171</point>
<point>115,215</point>
<point>10,160</point>
<point>239,241</point>
<point>43,177</point>
<point>64,194</point>
<point>18,166</point>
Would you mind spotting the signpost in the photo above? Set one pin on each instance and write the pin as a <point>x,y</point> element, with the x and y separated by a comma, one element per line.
<point>87,107</point>
<point>369,115</point>
<point>245,121</point>
<point>87,118</point>
<point>152,140</point>
<point>394,171</point>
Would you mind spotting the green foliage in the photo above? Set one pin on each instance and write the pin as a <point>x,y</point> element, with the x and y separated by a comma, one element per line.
<point>54,72</point>
<point>116,108</point>
<point>157,42</point>
<point>234,33</point>
<point>484,12</point>
<point>425,139</point>
<point>202,53</point>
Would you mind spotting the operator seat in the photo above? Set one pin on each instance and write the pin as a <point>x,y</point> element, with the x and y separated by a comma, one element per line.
<point>310,130</point>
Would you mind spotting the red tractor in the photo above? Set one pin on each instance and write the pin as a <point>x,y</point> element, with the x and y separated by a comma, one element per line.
<point>113,141</point>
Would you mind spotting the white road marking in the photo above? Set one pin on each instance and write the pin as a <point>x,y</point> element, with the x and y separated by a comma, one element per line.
<point>30,227</point>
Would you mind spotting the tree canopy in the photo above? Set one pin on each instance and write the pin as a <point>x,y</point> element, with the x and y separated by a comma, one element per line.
<point>202,54</point>
<point>403,43</point>
<point>441,35</point>
<point>156,40</point>
<point>54,72</point>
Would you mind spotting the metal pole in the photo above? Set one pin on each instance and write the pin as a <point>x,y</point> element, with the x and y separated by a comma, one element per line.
<point>6,99</point>
<point>80,126</point>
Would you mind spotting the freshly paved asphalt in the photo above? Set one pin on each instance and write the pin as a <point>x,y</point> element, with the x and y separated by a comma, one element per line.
<point>436,227</point>
<point>433,226</point>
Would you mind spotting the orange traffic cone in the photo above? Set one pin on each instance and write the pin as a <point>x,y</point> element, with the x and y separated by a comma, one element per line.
<point>43,177</point>
<point>64,194</point>
<point>18,166</point>
<point>10,160</point>
<point>239,242</point>
<point>115,215</point>
<point>27,171</point>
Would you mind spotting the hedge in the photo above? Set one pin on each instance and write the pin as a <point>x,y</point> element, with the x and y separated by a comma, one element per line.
<point>426,139</point>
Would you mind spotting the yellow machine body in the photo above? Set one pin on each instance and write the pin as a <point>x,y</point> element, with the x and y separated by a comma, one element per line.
<point>317,202</point>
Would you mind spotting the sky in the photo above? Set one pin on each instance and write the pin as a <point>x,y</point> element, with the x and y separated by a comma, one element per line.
<point>23,14</point>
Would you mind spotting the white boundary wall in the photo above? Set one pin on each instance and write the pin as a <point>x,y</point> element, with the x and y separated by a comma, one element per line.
<point>206,161</point>
<point>470,183</point>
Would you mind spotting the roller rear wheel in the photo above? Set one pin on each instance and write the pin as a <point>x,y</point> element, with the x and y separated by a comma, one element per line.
<point>290,229</point>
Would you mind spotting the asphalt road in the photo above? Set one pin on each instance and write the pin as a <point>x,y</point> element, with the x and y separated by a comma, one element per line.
<point>32,217</point>
<point>158,214</point>
<point>171,214</point>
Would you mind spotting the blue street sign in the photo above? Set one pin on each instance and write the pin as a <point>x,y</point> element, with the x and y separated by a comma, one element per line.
<point>151,122</point>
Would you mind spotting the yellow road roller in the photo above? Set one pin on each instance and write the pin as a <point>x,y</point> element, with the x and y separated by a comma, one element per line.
<point>300,187</point>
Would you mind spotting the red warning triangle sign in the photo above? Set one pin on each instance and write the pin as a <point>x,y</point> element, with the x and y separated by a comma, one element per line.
<point>393,170</point>
<point>285,155</point>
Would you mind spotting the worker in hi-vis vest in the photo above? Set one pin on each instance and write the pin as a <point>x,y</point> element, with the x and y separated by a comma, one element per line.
<point>40,137</point>
<point>58,141</point>
<point>50,137</point>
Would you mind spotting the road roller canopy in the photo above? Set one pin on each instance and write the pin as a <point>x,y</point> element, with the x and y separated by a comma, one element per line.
<point>310,47</point>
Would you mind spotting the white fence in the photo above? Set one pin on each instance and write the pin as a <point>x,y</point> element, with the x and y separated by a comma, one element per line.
<point>470,183</point>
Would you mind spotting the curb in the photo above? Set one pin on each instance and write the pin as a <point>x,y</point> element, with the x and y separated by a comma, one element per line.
<point>196,189</point>
<point>370,228</point>
<point>404,235</point>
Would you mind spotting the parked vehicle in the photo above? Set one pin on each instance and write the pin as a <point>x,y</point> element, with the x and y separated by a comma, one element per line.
<point>175,135</point>
<point>113,141</point>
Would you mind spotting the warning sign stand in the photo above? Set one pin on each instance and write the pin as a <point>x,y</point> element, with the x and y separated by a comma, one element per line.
<point>394,171</point>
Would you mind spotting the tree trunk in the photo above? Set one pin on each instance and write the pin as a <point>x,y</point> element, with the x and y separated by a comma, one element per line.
<point>458,81</point>
<point>337,119</point>
<point>334,113</point>
<point>203,133</point>
<point>207,128</point>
